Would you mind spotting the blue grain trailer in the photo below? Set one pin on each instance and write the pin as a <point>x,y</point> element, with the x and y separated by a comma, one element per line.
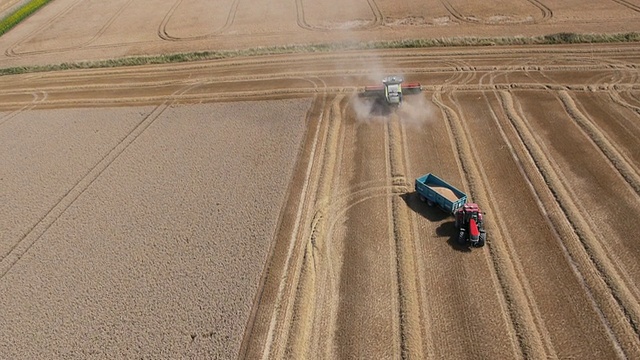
<point>436,191</point>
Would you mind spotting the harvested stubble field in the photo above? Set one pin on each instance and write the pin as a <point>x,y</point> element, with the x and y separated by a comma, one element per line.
<point>254,207</point>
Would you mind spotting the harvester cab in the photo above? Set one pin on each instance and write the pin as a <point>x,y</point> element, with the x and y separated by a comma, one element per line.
<point>393,89</point>
<point>470,225</point>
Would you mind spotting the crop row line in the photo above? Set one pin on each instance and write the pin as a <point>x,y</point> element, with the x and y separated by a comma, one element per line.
<point>528,331</point>
<point>612,297</point>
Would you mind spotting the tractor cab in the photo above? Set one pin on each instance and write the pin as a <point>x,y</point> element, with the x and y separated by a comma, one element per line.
<point>467,212</point>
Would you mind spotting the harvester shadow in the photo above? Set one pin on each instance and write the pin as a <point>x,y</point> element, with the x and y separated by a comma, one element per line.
<point>445,229</point>
<point>377,107</point>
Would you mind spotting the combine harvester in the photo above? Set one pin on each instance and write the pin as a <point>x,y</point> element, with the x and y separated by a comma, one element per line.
<point>469,220</point>
<point>391,90</point>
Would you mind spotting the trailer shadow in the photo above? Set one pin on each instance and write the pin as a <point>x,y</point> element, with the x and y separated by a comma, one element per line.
<point>445,229</point>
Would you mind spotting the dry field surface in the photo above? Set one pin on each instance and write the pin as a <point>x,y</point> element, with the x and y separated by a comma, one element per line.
<point>255,207</point>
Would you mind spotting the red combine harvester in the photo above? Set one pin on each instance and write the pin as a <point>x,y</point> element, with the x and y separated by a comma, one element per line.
<point>470,225</point>
<point>391,90</point>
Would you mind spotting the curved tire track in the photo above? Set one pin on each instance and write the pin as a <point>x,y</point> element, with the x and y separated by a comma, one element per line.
<point>11,52</point>
<point>164,34</point>
<point>628,5</point>
<point>545,11</point>
<point>38,98</point>
<point>378,19</point>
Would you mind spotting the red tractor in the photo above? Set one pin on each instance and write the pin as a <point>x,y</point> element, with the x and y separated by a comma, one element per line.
<point>470,225</point>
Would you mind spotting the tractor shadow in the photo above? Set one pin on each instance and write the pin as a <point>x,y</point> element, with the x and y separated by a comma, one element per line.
<point>446,229</point>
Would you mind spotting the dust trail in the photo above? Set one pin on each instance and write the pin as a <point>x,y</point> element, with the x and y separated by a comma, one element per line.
<point>415,110</point>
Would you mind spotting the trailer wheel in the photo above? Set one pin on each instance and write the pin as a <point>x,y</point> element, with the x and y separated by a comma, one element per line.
<point>430,203</point>
<point>462,237</point>
<point>422,198</point>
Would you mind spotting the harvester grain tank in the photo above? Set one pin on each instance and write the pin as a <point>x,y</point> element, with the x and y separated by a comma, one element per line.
<point>468,218</point>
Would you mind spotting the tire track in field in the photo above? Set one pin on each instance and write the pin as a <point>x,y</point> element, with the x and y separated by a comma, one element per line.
<point>548,206</point>
<point>428,347</point>
<point>249,346</point>
<point>615,96</point>
<point>164,34</point>
<point>612,296</point>
<point>409,299</point>
<point>11,52</point>
<point>528,330</point>
<point>619,161</point>
<point>22,246</point>
<point>378,19</point>
<point>627,4</point>
<point>297,336</point>
<point>263,335</point>
<point>323,317</point>
<point>339,209</point>
<point>546,12</point>
<point>38,98</point>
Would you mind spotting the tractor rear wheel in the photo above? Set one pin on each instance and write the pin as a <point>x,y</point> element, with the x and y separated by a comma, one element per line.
<point>482,239</point>
<point>462,237</point>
